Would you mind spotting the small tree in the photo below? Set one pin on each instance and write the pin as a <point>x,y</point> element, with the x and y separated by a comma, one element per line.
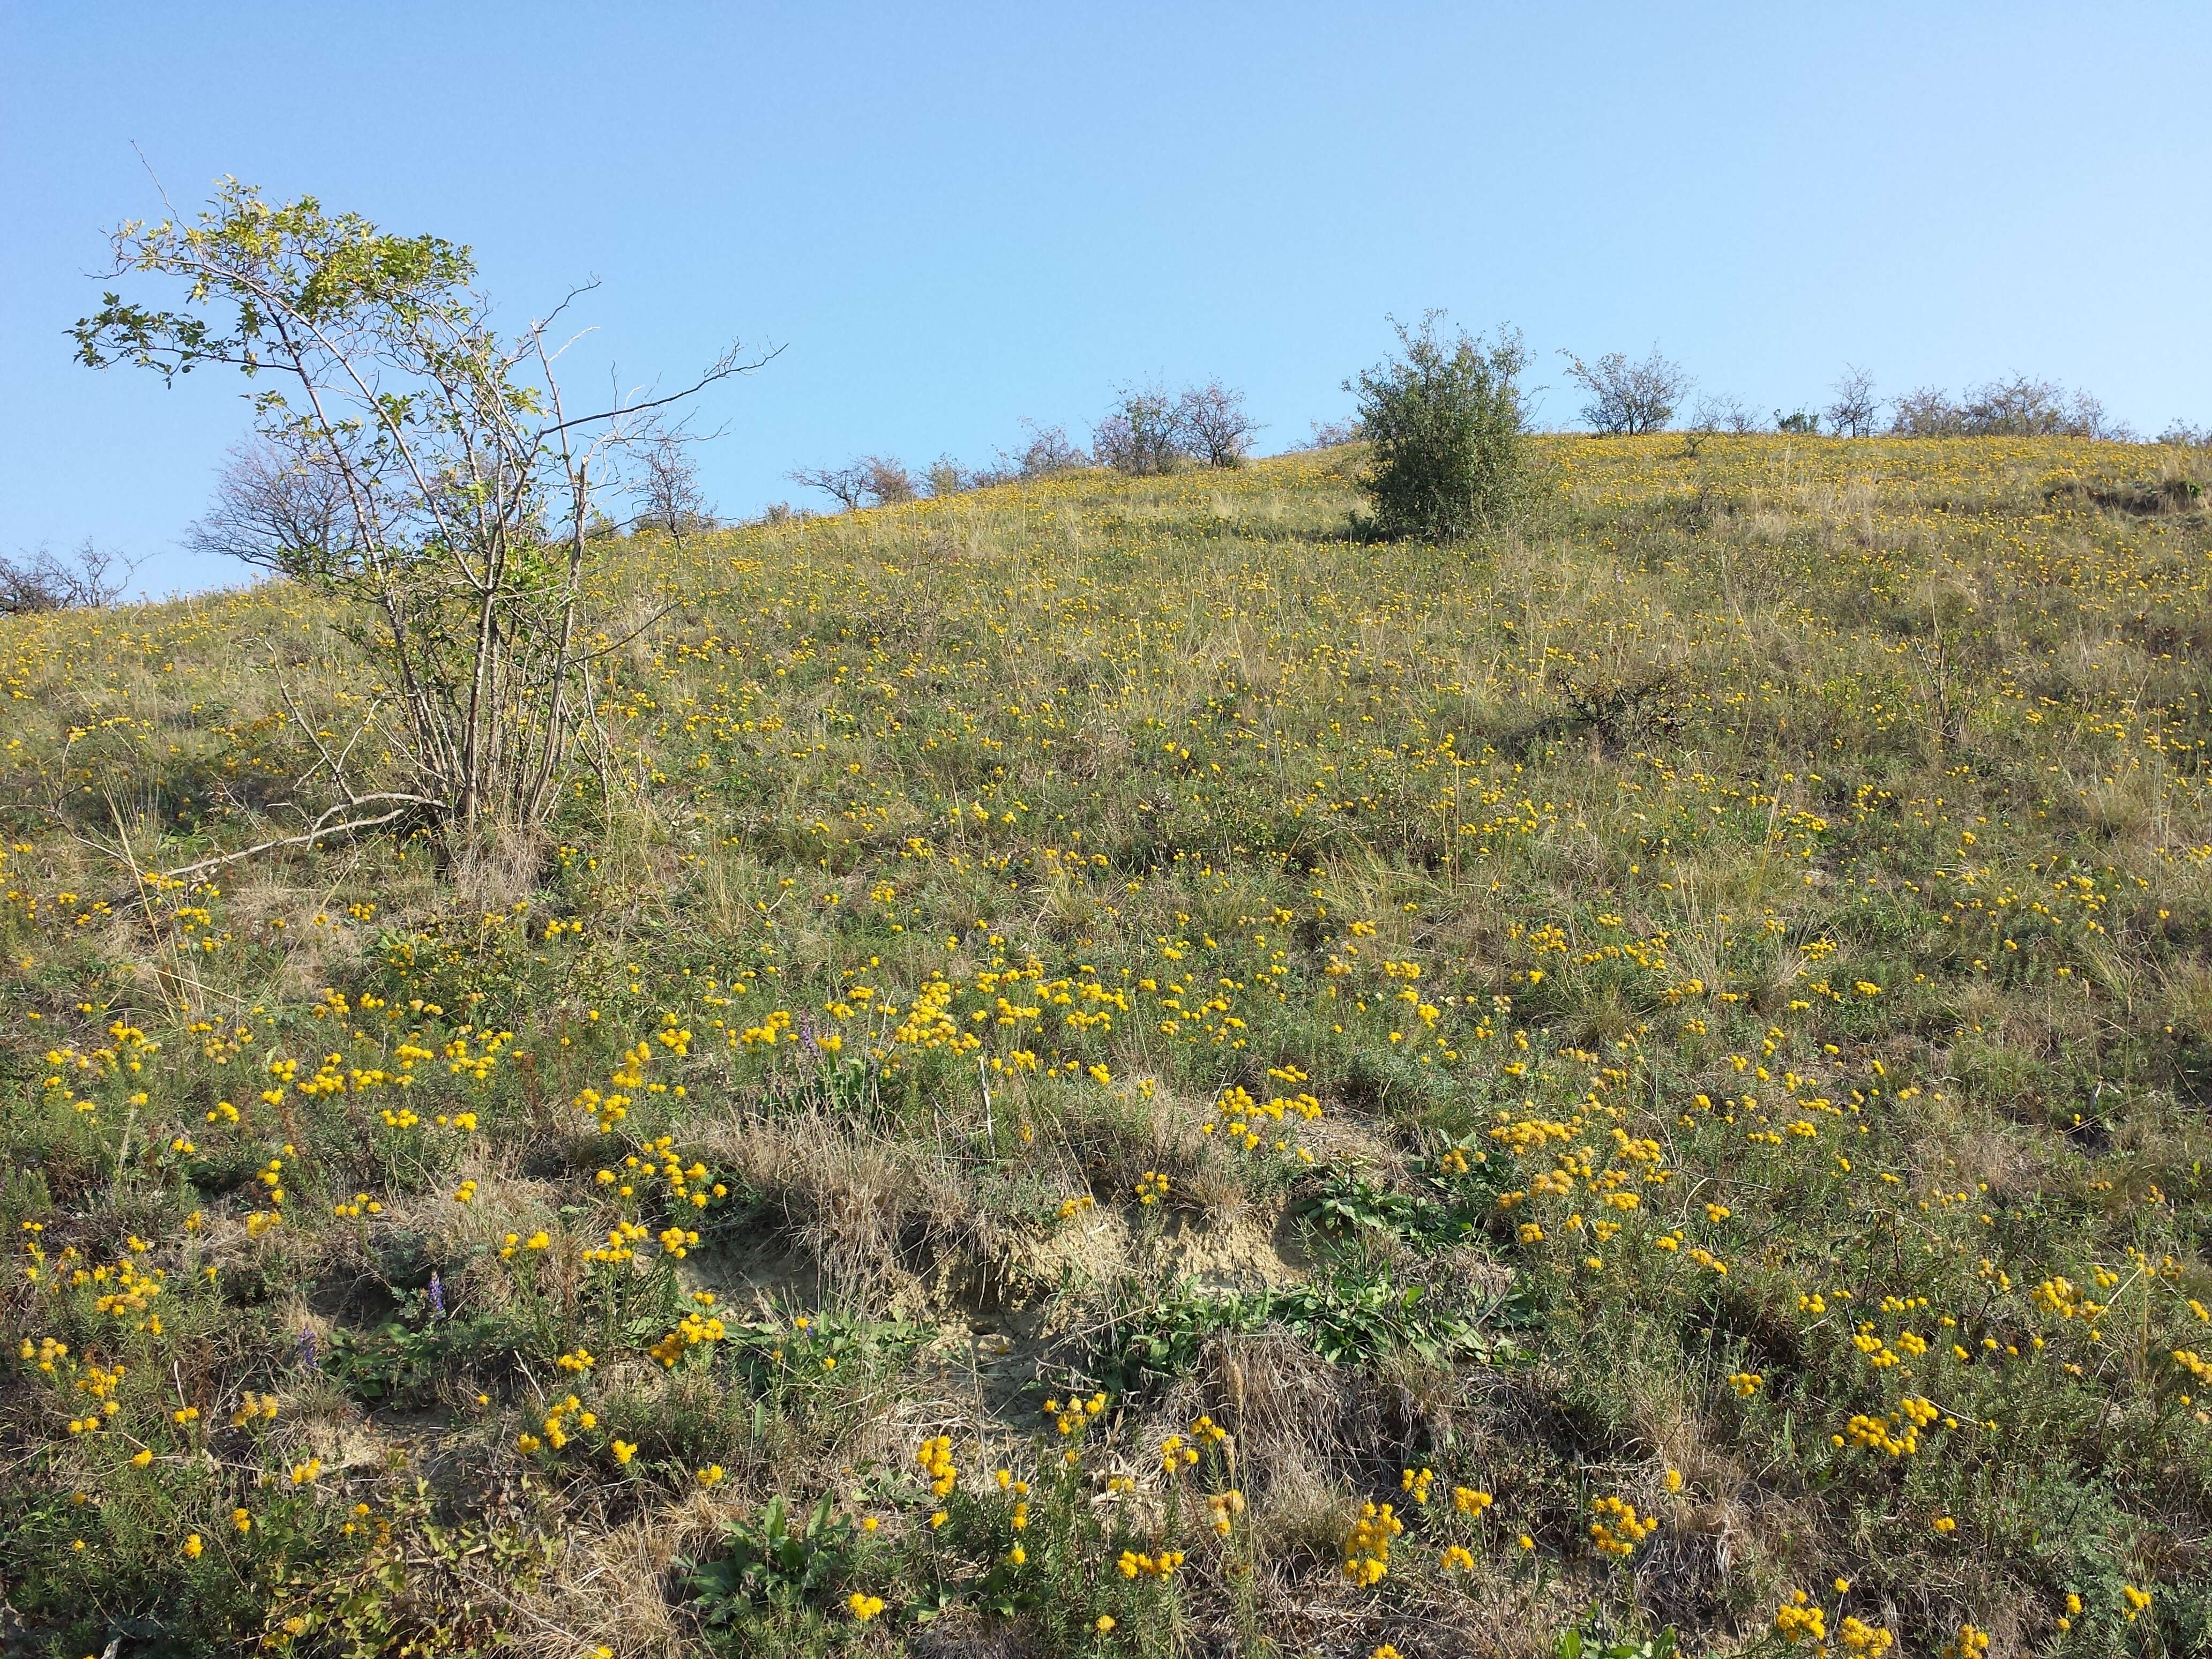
<point>1625,397</point>
<point>1719,412</point>
<point>846,485</point>
<point>669,495</point>
<point>1215,425</point>
<point>946,477</point>
<point>1854,408</point>
<point>1446,423</point>
<point>1048,451</point>
<point>44,580</point>
<point>872,481</point>
<point>379,382</point>
<point>1141,435</point>
<point>889,482</point>
<point>275,509</point>
<point>1926,412</point>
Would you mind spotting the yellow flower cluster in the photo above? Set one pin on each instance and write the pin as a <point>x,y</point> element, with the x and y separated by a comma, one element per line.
<point>1619,1529</point>
<point>695,1328</point>
<point>1800,1619</point>
<point>1153,1564</point>
<point>1367,1551</point>
<point>935,1457</point>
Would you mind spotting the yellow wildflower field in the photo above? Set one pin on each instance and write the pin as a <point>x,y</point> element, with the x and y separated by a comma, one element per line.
<point>1104,1066</point>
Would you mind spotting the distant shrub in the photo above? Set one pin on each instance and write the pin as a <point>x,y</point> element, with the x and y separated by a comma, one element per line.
<point>1802,422</point>
<point>872,481</point>
<point>1328,434</point>
<point>1625,397</point>
<point>946,477</point>
<point>1216,428</point>
<point>1927,412</point>
<point>1718,412</point>
<point>2018,407</point>
<point>669,497</point>
<point>283,508</point>
<point>45,580</point>
<point>1141,435</point>
<point>1048,451</point>
<point>1447,422</point>
<point>889,482</point>
<point>1854,408</point>
<point>1147,432</point>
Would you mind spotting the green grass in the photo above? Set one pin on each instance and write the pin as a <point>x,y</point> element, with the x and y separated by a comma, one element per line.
<point>1712,980</point>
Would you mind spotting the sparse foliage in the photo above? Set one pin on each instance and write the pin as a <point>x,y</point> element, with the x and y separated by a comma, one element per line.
<point>1853,409</point>
<point>1142,434</point>
<point>946,477</point>
<point>378,379</point>
<point>2016,407</point>
<point>281,509</point>
<point>1628,397</point>
<point>889,482</point>
<point>1048,452</point>
<point>669,495</point>
<point>1719,412</point>
<point>846,485</point>
<point>45,580</point>
<point>1446,422</point>
<point>1216,429</point>
<point>871,480</point>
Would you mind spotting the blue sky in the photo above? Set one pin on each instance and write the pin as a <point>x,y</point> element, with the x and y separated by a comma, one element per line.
<point>957,216</point>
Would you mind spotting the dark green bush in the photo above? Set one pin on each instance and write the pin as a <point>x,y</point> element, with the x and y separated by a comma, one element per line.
<point>1447,426</point>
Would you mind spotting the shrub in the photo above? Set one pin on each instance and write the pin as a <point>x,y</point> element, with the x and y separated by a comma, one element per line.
<point>1141,435</point>
<point>1216,429</point>
<point>669,498</point>
<point>461,559</point>
<point>1853,411</point>
<point>46,581</point>
<point>2014,408</point>
<point>1447,423</point>
<point>1719,412</point>
<point>1625,397</point>
<point>1328,434</point>
<point>872,481</point>
<point>946,477</point>
<point>1048,451</point>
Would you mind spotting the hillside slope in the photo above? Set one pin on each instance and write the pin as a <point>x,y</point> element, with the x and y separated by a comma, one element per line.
<point>1159,1079</point>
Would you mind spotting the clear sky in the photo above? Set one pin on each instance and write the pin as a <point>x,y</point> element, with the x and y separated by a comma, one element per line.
<point>954,216</point>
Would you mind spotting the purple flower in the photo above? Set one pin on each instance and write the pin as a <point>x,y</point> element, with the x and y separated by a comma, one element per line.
<point>307,1347</point>
<point>437,1296</point>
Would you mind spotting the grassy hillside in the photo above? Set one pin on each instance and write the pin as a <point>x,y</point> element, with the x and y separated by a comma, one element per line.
<point>1100,1068</point>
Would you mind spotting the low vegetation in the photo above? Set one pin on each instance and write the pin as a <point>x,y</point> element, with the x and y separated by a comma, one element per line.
<point>1103,1066</point>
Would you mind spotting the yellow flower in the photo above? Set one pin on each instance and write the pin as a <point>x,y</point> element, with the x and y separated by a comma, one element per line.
<point>864,1606</point>
<point>192,1545</point>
